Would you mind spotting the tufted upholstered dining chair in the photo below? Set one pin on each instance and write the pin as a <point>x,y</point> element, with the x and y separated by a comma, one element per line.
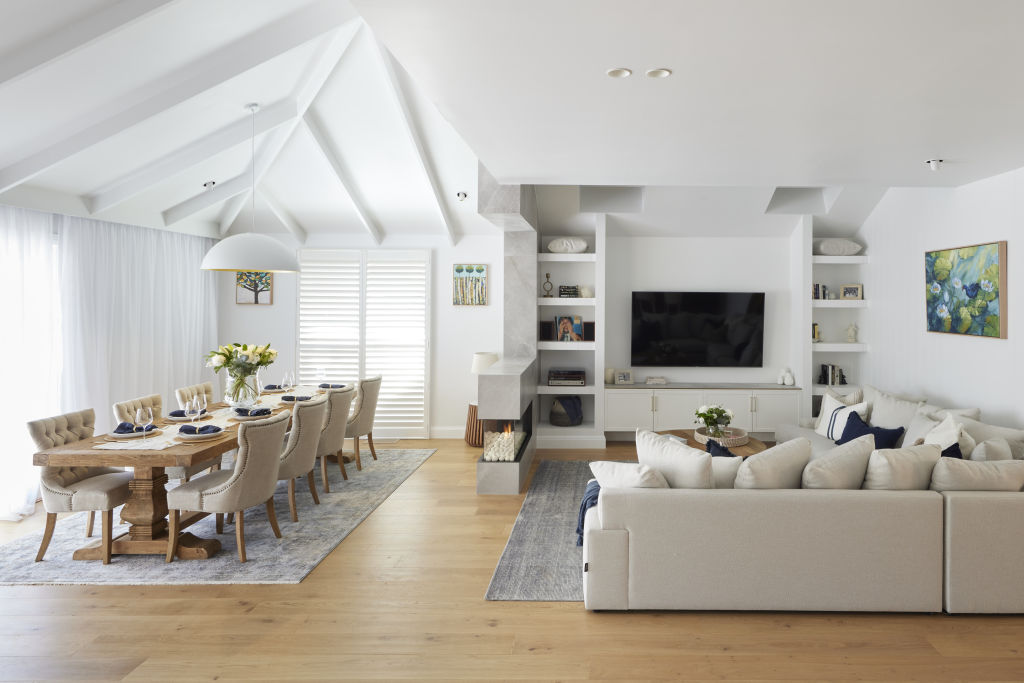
<point>299,456</point>
<point>332,438</point>
<point>361,421</point>
<point>251,482</point>
<point>74,489</point>
<point>190,392</point>
<point>125,412</point>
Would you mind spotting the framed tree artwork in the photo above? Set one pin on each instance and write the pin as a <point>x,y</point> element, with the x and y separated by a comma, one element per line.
<point>254,287</point>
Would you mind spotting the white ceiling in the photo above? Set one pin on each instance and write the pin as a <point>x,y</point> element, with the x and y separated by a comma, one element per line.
<point>764,93</point>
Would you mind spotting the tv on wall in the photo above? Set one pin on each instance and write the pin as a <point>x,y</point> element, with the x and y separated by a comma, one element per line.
<point>698,329</point>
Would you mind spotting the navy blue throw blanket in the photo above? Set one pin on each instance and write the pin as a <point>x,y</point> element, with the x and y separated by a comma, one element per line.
<point>589,501</point>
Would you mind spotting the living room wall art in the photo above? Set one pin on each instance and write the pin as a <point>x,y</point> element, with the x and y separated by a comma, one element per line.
<point>965,290</point>
<point>469,284</point>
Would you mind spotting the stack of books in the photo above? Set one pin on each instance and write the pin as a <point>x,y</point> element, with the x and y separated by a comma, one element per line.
<point>831,375</point>
<point>567,378</point>
<point>819,291</point>
<point>569,291</point>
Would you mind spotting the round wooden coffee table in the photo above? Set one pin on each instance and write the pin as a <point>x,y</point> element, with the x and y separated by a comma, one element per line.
<point>750,448</point>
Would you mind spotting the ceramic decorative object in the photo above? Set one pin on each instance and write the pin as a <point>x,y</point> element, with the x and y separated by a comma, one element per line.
<point>851,333</point>
<point>839,247</point>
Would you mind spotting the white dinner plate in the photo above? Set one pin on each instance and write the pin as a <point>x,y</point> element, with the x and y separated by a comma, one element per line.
<point>246,418</point>
<point>272,391</point>
<point>200,437</point>
<point>187,419</point>
<point>134,435</point>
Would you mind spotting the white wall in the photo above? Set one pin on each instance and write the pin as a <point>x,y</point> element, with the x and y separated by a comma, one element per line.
<point>949,369</point>
<point>700,264</point>
<point>456,331</point>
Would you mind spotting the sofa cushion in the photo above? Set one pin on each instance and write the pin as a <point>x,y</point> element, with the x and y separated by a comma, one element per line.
<point>951,474</point>
<point>834,415</point>
<point>888,410</point>
<point>948,432</point>
<point>992,450</point>
<point>980,431</point>
<point>626,475</point>
<point>852,398</point>
<point>841,468</point>
<point>938,413</point>
<point>725,470</point>
<point>856,428</point>
<point>901,469</point>
<point>919,426</point>
<point>872,395</point>
<point>682,466</point>
<point>819,444</point>
<point>779,467</point>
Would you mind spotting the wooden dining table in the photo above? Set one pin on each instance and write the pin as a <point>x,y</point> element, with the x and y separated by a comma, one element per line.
<point>146,508</point>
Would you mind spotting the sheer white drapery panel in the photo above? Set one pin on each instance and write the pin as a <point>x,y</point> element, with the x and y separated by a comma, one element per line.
<point>137,312</point>
<point>30,346</point>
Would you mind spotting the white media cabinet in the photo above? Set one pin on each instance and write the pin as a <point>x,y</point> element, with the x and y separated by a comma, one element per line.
<point>757,407</point>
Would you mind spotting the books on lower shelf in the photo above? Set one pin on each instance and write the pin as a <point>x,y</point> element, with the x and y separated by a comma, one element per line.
<point>831,375</point>
<point>567,378</point>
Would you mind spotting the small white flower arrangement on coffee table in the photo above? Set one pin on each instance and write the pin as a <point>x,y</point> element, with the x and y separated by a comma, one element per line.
<point>715,419</point>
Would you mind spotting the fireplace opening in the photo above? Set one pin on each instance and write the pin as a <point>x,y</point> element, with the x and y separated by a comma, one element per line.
<point>504,440</point>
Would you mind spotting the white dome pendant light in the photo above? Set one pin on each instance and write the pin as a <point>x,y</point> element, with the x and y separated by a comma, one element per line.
<point>251,251</point>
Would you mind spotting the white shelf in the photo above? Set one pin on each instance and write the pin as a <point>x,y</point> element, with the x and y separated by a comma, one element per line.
<point>819,389</point>
<point>824,347</point>
<point>566,389</point>
<point>548,429</point>
<point>571,258</point>
<point>839,303</point>
<point>839,260</point>
<point>566,301</point>
<point>566,346</point>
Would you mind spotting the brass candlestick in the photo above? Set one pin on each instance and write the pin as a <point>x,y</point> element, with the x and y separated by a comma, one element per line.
<point>547,286</point>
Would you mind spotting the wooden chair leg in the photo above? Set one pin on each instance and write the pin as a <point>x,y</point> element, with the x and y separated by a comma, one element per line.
<point>312,487</point>
<point>107,534</point>
<point>341,466</point>
<point>240,534</point>
<point>369,440</point>
<point>220,522</point>
<point>51,522</point>
<point>291,500</point>
<point>89,523</point>
<point>323,474</point>
<point>185,479</point>
<point>174,516</point>
<point>231,518</point>
<point>272,516</point>
<point>355,447</point>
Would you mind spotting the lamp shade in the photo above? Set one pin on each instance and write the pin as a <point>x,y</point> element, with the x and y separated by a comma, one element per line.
<point>483,360</point>
<point>251,251</point>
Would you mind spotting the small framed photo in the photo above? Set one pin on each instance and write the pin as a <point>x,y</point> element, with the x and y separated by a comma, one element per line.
<point>623,376</point>
<point>851,292</point>
<point>254,288</point>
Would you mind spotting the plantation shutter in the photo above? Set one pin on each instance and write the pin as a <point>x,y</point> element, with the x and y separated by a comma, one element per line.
<point>363,314</point>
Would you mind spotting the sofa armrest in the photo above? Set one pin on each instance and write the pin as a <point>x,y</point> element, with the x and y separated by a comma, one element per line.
<point>605,565</point>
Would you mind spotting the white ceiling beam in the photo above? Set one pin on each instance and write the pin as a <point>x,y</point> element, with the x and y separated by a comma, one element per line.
<point>326,60</point>
<point>417,141</point>
<point>287,220</point>
<point>190,155</point>
<point>198,77</point>
<point>344,177</point>
<point>75,36</point>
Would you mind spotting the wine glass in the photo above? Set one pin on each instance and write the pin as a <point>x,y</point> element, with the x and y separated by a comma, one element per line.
<point>202,404</point>
<point>192,409</point>
<point>144,417</point>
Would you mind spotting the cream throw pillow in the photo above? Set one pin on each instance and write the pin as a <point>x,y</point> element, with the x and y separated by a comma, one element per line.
<point>872,395</point>
<point>902,469</point>
<point>890,412</point>
<point>920,425</point>
<point>992,450</point>
<point>626,475</point>
<point>725,470</point>
<point>953,474</point>
<point>843,467</point>
<point>682,466</point>
<point>779,467</point>
<point>852,398</point>
<point>834,415</point>
<point>949,432</point>
<point>980,431</point>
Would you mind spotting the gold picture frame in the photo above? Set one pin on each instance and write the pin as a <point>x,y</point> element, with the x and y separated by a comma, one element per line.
<point>851,292</point>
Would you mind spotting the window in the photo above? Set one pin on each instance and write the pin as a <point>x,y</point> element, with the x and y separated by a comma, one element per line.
<point>365,313</point>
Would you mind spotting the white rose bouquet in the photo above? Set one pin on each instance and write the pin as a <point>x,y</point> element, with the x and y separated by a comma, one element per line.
<point>714,418</point>
<point>242,361</point>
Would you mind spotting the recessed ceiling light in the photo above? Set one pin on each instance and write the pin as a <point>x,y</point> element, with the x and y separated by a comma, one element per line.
<point>209,183</point>
<point>620,72</point>
<point>934,164</point>
<point>659,73</point>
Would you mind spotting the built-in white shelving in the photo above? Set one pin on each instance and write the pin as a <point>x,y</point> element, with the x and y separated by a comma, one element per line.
<point>566,346</point>
<point>840,260</point>
<point>564,258</point>
<point>547,429</point>
<point>820,389</point>
<point>566,390</point>
<point>566,301</point>
<point>829,347</point>
<point>839,303</point>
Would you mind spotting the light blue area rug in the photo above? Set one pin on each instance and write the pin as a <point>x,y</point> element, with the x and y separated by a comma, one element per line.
<point>269,559</point>
<point>541,561</point>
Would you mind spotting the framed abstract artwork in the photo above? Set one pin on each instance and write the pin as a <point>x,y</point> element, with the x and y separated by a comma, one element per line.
<point>469,284</point>
<point>254,287</point>
<point>965,290</point>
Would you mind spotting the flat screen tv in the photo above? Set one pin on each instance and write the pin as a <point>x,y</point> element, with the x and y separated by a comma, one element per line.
<point>698,329</point>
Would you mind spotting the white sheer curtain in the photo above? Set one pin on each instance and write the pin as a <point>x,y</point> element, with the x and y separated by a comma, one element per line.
<point>137,312</point>
<point>30,346</point>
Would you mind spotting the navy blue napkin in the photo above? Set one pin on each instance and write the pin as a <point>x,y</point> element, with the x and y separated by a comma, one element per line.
<point>255,412</point>
<point>328,385</point>
<point>296,398</point>
<point>272,387</point>
<point>129,428</point>
<point>181,413</point>
<point>192,429</point>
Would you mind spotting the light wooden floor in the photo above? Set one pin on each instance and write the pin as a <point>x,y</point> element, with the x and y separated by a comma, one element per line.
<point>402,597</point>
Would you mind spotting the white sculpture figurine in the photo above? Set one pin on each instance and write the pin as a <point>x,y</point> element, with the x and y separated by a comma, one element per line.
<point>851,333</point>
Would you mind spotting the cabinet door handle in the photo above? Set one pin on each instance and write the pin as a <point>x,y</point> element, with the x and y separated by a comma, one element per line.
<point>654,403</point>
<point>753,404</point>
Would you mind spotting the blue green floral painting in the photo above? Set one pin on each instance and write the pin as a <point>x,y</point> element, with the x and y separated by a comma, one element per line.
<point>964,290</point>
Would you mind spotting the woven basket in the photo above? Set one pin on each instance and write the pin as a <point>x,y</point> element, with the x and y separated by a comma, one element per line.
<point>737,437</point>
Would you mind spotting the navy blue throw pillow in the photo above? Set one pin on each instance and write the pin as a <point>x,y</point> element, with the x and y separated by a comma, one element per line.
<point>856,428</point>
<point>717,450</point>
<point>953,452</point>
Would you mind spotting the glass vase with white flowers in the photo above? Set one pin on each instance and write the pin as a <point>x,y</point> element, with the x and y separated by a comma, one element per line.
<point>242,362</point>
<point>715,418</point>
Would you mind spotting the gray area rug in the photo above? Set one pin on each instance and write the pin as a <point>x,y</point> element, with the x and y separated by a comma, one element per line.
<point>269,560</point>
<point>541,561</point>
